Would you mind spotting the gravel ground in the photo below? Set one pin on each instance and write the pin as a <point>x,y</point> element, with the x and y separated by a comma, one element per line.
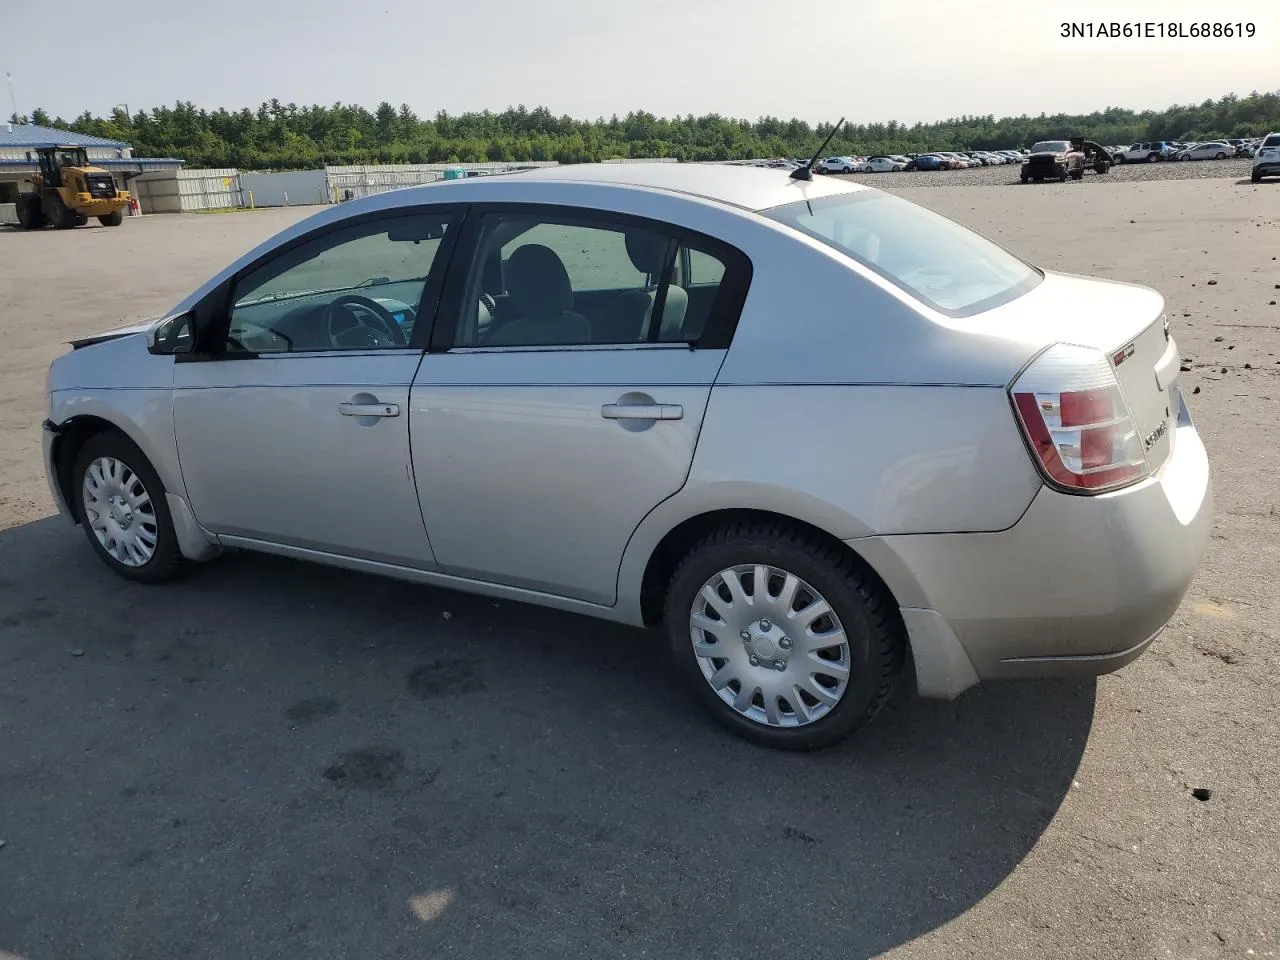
<point>274,760</point>
<point>1009,174</point>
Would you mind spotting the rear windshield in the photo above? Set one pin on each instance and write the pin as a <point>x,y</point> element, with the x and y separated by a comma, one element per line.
<point>1272,141</point>
<point>944,265</point>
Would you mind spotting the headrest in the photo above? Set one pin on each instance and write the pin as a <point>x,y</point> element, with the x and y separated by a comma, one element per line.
<point>538,282</point>
<point>646,251</point>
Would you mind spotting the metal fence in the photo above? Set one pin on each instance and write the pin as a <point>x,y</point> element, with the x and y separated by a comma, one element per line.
<point>353,182</point>
<point>290,188</point>
<point>178,191</point>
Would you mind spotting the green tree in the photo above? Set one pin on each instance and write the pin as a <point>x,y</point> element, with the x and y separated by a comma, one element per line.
<point>284,136</point>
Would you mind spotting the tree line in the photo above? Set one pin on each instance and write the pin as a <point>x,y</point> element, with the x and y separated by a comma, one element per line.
<point>279,135</point>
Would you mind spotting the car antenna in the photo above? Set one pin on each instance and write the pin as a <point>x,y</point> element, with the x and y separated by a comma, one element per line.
<point>806,172</point>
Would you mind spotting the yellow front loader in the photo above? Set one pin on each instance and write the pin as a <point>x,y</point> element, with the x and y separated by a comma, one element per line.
<point>69,190</point>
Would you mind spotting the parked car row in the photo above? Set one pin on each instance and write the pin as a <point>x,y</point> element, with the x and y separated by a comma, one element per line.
<point>936,160</point>
<point>1145,151</point>
<point>1153,151</point>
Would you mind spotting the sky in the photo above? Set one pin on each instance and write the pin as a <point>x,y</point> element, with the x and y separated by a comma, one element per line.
<point>868,60</point>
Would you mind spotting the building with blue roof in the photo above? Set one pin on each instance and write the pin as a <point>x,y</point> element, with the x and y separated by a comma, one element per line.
<point>18,162</point>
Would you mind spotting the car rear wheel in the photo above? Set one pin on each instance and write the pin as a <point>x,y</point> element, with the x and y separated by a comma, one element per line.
<point>785,640</point>
<point>1152,157</point>
<point>1220,156</point>
<point>123,509</point>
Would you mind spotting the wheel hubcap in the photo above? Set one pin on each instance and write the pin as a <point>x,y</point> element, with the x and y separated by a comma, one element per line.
<point>770,645</point>
<point>119,511</point>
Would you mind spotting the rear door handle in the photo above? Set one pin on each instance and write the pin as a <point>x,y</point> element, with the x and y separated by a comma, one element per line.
<point>369,409</point>
<point>642,411</point>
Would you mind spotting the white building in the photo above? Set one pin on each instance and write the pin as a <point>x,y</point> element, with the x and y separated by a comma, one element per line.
<point>18,161</point>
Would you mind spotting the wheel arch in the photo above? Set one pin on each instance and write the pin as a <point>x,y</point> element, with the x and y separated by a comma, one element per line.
<point>662,559</point>
<point>69,439</point>
<point>88,417</point>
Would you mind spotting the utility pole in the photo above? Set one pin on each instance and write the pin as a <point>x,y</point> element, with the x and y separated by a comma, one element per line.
<point>12,96</point>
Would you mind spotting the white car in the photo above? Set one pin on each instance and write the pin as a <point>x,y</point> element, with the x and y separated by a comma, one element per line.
<point>1148,151</point>
<point>1213,150</point>
<point>1266,159</point>
<point>884,165</point>
<point>813,429</point>
<point>841,165</point>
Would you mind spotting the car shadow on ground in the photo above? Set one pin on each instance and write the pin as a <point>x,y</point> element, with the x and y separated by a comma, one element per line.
<point>274,759</point>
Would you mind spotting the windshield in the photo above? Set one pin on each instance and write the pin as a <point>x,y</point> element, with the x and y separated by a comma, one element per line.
<point>1051,146</point>
<point>944,265</point>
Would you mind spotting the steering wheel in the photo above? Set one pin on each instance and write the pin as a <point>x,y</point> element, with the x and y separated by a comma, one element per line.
<point>347,323</point>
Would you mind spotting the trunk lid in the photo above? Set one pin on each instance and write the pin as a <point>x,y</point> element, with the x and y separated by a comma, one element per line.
<point>1125,321</point>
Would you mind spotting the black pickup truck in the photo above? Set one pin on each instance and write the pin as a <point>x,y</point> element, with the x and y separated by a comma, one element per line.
<point>1059,159</point>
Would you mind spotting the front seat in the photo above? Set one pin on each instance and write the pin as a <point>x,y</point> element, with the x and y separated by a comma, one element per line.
<point>540,302</point>
<point>625,318</point>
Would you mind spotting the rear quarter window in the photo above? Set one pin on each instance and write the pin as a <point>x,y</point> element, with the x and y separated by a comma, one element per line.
<point>944,265</point>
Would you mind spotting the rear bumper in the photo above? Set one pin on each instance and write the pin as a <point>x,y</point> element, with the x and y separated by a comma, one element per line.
<point>1080,586</point>
<point>1269,169</point>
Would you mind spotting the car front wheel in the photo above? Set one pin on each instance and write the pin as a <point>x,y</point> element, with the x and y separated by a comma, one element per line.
<point>785,640</point>
<point>123,510</point>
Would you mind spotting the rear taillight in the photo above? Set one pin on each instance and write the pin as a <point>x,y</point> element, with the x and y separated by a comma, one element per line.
<point>1076,421</point>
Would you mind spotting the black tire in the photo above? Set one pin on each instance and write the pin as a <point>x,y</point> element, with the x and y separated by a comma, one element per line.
<point>30,212</point>
<point>113,219</point>
<point>62,216</point>
<point>1038,179</point>
<point>1152,157</point>
<point>1025,178</point>
<point>872,624</point>
<point>1077,174</point>
<point>1255,177</point>
<point>166,561</point>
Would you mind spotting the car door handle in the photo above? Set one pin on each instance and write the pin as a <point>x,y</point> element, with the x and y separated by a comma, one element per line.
<point>369,409</point>
<point>642,411</point>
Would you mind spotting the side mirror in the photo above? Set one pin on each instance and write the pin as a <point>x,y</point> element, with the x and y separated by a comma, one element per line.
<point>175,335</point>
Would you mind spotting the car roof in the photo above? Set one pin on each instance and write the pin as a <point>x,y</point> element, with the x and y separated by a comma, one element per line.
<point>750,188</point>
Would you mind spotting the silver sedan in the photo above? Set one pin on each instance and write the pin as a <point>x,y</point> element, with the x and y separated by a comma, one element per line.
<point>809,428</point>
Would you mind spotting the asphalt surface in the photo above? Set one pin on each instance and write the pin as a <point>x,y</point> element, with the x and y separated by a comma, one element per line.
<point>269,759</point>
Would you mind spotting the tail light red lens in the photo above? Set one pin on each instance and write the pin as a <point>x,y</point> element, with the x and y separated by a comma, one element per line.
<point>1076,421</point>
